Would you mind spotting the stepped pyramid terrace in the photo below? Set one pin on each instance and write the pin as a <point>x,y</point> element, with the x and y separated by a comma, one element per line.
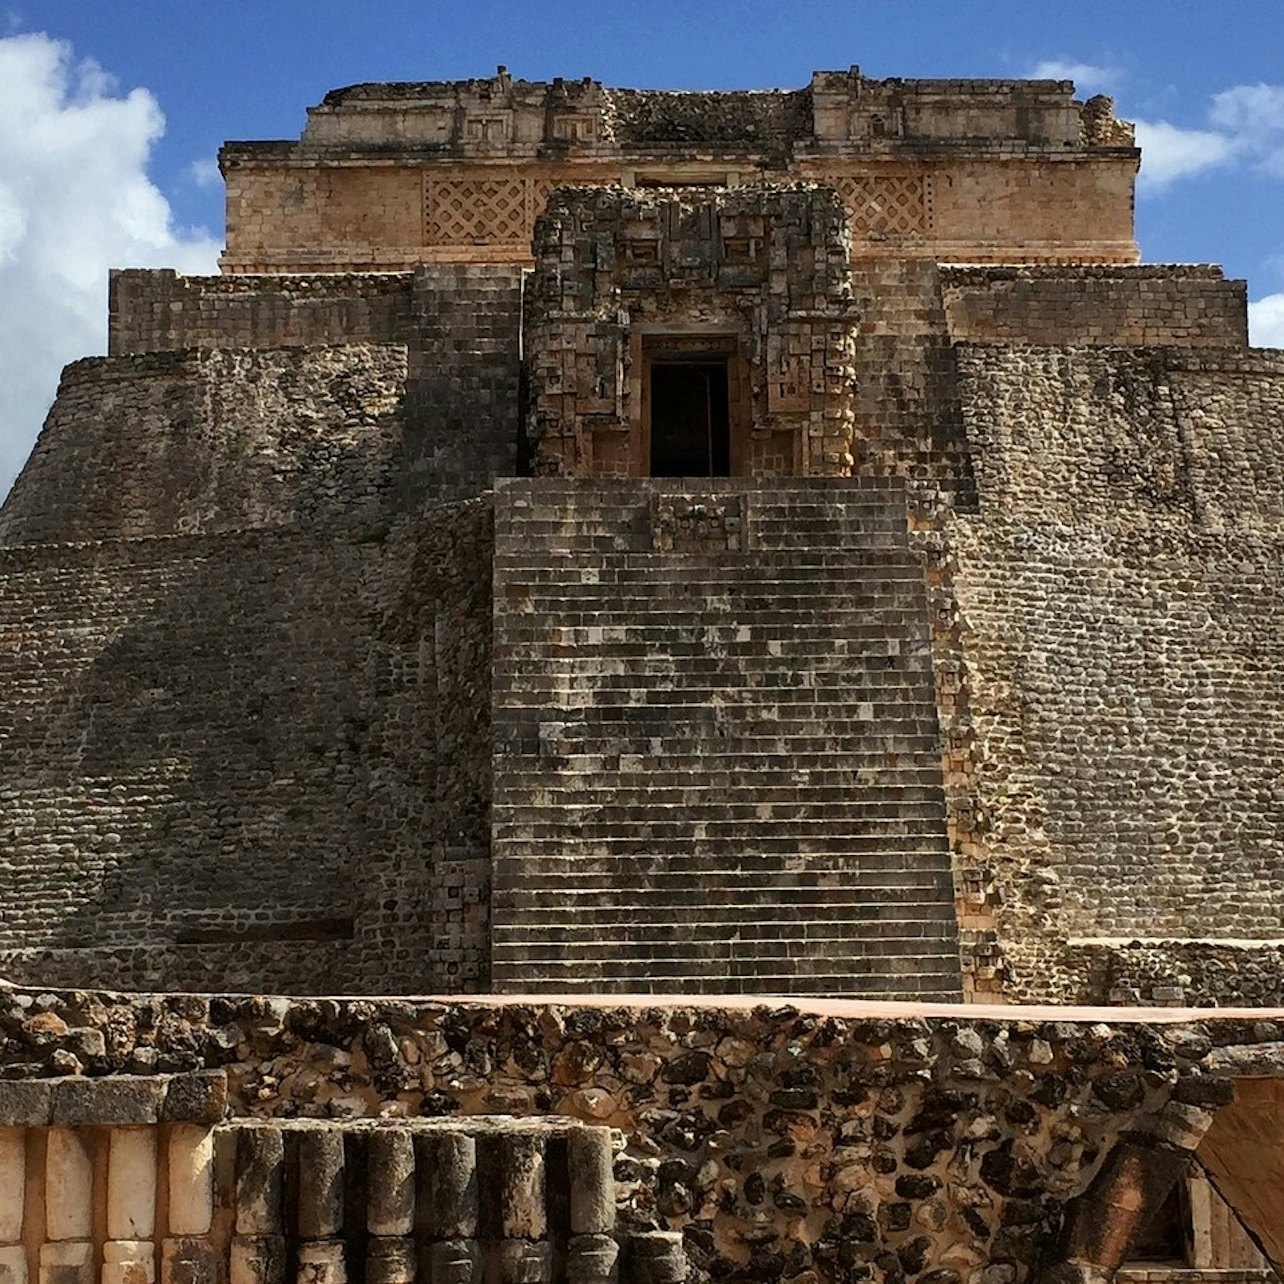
<point>761,605</point>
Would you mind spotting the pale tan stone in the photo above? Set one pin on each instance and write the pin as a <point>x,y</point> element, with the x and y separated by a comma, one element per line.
<point>190,1157</point>
<point>69,1186</point>
<point>131,1184</point>
<point>13,1180</point>
<point>13,1264</point>
<point>68,1262</point>
<point>129,1262</point>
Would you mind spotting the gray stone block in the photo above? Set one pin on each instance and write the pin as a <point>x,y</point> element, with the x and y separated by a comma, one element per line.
<point>198,1097</point>
<point>26,1103</point>
<point>117,1101</point>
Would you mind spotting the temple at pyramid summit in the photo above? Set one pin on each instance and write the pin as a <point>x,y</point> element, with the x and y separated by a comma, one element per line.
<point>761,602</point>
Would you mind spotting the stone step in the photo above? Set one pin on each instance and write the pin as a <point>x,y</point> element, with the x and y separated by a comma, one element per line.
<point>770,771</point>
<point>712,803</point>
<point>898,876</point>
<point>634,926</point>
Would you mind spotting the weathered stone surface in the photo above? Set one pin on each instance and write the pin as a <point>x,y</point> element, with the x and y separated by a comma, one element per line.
<point>197,1098</point>
<point>318,1153</point>
<point>131,1184</point>
<point>592,1183</point>
<point>459,169</point>
<point>260,1174</point>
<point>390,1177</point>
<point>257,1260</point>
<point>116,1101</point>
<point>189,1158</point>
<point>189,1260</point>
<point>128,1262</point>
<point>13,1183</point>
<point>67,1262</point>
<point>26,1103</point>
<point>13,1264</point>
<point>904,1151</point>
<point>446,1199</point>
<point>959,678</point>
<point>69,1186</point>
<point>391,1261</point>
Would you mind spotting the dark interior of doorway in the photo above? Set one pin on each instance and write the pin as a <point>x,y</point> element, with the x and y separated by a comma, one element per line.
<point>690,420</point>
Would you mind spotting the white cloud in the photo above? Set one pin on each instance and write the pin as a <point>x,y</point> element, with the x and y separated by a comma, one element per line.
<point>1088,77</point>
<point>75,200</point>
<point>1246,127</point>
<point>1169,152</point>
<point>205,172</point>
<point>1249,109</point>
<point>1254,115</point>
<point>1266,322</point>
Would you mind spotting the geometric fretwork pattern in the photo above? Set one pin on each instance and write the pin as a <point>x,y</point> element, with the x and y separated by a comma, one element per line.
<point>540,190</point>
<point>885,204</point>
<point>477,210</point>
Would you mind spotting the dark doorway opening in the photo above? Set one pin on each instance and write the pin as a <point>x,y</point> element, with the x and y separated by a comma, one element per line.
<point>1165,1238</point>
<point>690,419</point>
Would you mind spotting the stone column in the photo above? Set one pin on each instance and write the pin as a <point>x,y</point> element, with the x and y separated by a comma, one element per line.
<point>446,1207</point>
<point>129,1261</point>
<point>258,1248</point>
<point>390,1179</point>
<point>592,1255</point>
<point>67,1256</point>
<point>13,1187</point>
<point>390,1207</point>
<point>1102,1225</point>
<point>189,1155</point>
<point>187,1255</point>
<point>655,1257</point>
<point>525,1255</point>
<point>129,1255</point>
<point>319,1219</point>
<point>131,1184</point>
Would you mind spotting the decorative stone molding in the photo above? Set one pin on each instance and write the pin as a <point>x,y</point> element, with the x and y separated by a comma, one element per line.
<point>525,1201</point>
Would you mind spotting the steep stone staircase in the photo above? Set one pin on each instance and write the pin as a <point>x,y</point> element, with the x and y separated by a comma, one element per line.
<point>716,748</point>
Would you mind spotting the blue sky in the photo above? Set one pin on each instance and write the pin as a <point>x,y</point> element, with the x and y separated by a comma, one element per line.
<point>106,139</point>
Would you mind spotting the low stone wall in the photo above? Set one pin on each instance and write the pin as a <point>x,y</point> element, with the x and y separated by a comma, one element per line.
<point>158,310</point>
<point>784,1143</point>
<point>1151,304</point>
<point>197,442</point>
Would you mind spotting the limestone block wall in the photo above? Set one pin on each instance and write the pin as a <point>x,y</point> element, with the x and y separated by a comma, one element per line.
<point>996,204</point>
<point>158,310</point>
<point>192,441</point>
<point>108,1180</point>
<point>387,176</point>
<point>460,324</point>
<point>717,763</point>
<point>907,418</point>
<point>129,1179</point>
<point>1142,305</point>
<point>1119,628</point>
<point>262,756</point>
<point>780,1141</point>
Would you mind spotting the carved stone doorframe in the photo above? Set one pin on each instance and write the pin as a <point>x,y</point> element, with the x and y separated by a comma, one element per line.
<point>648,348</point>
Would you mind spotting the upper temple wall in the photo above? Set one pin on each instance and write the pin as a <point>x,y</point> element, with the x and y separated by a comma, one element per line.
<point>386,176</point>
